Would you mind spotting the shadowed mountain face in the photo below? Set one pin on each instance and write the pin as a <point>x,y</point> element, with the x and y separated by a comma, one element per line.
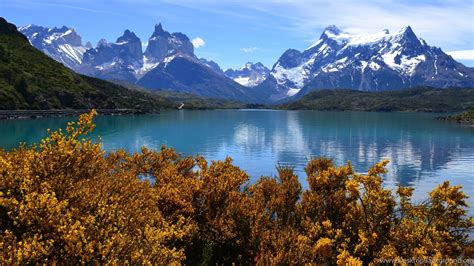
<point>185,75</point>
<point>373,62</point>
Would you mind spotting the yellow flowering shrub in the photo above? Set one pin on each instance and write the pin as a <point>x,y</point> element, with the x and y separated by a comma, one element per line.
<point>67,201</point>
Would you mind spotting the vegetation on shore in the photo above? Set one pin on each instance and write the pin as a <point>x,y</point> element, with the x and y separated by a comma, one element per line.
<point>420,99</point>
<point>66,200</point>
<point>463,118</point>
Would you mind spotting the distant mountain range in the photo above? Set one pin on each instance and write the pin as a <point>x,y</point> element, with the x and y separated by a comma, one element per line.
<point>372,62</point>
<point>168,62</point>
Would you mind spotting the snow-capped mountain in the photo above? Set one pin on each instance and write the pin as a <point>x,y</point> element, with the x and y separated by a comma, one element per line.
<point>249,75</point>
<point>372,62</point>
<point>168,62</point>
<point>62,44</point>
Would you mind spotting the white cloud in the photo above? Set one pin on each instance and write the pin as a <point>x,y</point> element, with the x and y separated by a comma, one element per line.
<point>462,55</point>
<point>198,42</point>
<point>248,49</point>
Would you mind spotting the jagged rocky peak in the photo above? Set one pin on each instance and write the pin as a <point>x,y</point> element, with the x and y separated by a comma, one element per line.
<point>407,31</point>
<point>128,36</point>
<point>159,32</point>
<point>129,48</point>
<point>102,42</point>
<point>332,29</point>
<point>212,65</point>
<point>408,39</point>
<point>162,44</point>
<point>290,58</point>
<point>89,45</point>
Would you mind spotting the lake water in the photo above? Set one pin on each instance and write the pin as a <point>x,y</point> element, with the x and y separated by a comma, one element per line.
<point>423,151</point>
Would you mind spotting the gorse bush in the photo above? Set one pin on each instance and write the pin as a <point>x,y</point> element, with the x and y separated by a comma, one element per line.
<point>67,201</point>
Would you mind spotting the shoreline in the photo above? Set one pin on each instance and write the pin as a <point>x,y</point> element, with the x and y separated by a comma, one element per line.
<point>31,114</point>
<point>464,118</point>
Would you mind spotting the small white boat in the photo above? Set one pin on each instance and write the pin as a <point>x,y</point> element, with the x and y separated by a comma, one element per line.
<point>181,106</point>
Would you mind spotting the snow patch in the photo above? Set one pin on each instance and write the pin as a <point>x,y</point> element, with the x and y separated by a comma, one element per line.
<point>297,75</point>
<point>350,39</point>
<point>374,66</point>
<point>74,53</point>
<point>315,44</point>
<point>406,66</point>
<point>106,66</point>
<point>244,81</point>
<point>292,92</point>
<point>148,65</point>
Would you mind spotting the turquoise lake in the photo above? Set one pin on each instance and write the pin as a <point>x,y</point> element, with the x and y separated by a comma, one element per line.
<point>423,151</point>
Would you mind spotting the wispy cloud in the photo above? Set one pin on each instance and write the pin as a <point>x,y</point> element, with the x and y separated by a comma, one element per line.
<point>62,4</point>
<point>443,23</point>
<point>248,49</point>
<point>462,55</point>
<point>198,42</point>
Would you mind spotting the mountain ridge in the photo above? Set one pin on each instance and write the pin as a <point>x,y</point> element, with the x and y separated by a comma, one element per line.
<point>368,62</point>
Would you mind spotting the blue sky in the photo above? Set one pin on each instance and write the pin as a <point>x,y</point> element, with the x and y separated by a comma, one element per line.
<point>234,32</point>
